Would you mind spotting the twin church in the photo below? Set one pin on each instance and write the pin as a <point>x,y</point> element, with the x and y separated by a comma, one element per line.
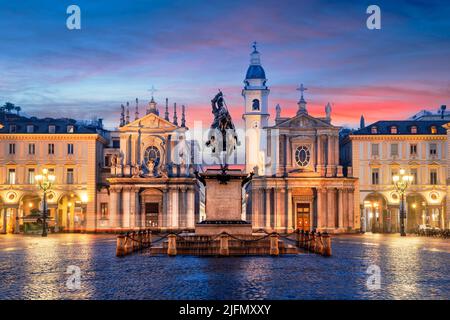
<point>144,174</point>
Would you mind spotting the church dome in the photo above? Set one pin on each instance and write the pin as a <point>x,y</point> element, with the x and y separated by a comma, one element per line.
<point>255,72</point>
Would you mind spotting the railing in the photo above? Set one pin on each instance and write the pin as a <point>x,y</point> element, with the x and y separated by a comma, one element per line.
<point>133,241</point>
<point>319,243</point>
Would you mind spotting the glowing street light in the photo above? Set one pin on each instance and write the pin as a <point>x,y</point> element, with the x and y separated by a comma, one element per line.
<point>401,183</point>
<point>45,182</point>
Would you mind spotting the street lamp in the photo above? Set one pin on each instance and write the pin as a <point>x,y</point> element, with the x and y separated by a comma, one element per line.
<point>401,183</point>
<point>45,182</point>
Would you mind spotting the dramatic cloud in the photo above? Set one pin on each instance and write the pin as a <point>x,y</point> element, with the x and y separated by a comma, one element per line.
<point>189,49</point>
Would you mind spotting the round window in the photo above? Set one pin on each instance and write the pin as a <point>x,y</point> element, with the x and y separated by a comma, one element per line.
<point>302,156</point>
<point>152,154</point>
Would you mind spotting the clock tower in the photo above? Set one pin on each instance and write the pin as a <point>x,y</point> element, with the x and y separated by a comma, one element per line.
<point>256,116</point>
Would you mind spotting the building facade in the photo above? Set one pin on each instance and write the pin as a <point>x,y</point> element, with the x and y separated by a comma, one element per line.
<point>298,182</point>
<point>69,150</point>
<point>378,152</point>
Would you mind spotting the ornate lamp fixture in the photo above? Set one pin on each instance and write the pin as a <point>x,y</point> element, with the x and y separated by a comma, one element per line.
<point>401,182</point>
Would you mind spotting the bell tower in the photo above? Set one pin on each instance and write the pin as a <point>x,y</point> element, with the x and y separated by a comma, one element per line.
<point>256,115</point>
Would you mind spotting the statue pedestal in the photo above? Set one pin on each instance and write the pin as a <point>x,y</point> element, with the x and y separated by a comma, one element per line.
<point>223,204</point>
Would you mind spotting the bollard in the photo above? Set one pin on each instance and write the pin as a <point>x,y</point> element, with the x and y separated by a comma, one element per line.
<point>224,250</point>
<point>302,239</point>
<point>307,241</point>
<point>120,246</point>
<point>149,236</point>
<point>319,244</point>
<point>128,245</point>
<point>172,245</point>
<point>326,245</point>
<point>274,251</point>
<point>312,242</point>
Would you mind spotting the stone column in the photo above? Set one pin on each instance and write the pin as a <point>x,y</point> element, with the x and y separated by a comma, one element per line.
<point>336,150</point>
<point>351,207</point>
<point>16,220</point>
<point>3,216</point>
<point>126,207</point>
<point>175,207</point>
<point>133,208</point>
<point>321,208</point>
<point>182,216</point>
<point>282,212</point>
<point>268,208</point>
<point>330,207</point>
<point>190,208</point>
<point>165,208</point>
<point>291,224</point>
<point>114,207</point>
<point>341,209</point>
<point>330,156</point>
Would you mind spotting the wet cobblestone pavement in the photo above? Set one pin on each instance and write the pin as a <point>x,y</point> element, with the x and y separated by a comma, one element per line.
<point>411,268</point>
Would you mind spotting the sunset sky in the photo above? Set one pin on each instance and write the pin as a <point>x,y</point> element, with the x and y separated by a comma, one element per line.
<point>190,49</point>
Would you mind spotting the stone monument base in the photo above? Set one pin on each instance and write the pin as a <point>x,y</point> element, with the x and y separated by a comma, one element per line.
<point>211,228</point>
<point>223,203</point>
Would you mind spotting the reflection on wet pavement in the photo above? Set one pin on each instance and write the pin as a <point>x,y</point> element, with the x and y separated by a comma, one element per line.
<point>411,268</point>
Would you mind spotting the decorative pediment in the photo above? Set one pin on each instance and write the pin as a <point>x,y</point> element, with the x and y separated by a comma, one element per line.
<point>149,121</point>
<point>304,121</point>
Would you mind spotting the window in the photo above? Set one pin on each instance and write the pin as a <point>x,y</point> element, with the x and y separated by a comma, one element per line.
<point>31,148</point>
<point>375,149</point>
<point>51,171</point>
<point>31,176</point>
<point>70,129</point>
<point>30,128</point>
<point>414,175</point>
<point>433,177</point>
<point>69,176</point>
<point>413,149</point>
<point>394,149</point>
<point>302,156</point>
<point>375,176</point>
<point>51,129</point>
<point>394,130</point>
<point>116,143</point>
<point>413,129</point>
<point>51,148</point>
<point>433,149</point>
<point>11,176</point>
<point>12,128</point>
<point>107,162</point>
<point>374,130</point>
<point>12,148</point>
<point>70,148</point>
<point>433,129</point>
<point>104,212</point>
<point>152,157</point>
<point>255,105</point>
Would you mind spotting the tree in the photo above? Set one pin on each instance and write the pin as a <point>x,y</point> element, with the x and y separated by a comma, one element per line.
<point>9,107</point>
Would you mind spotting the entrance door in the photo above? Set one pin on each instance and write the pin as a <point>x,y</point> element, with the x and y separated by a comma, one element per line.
<point>303,211</point>
<point>151,214</point>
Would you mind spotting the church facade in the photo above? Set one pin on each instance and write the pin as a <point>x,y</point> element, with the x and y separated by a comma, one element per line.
<point>298,182</point>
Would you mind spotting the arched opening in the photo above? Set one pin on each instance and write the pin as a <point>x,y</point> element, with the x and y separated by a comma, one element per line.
<point>70,213</point>
<point>375,213</point>
<point>418,212</point>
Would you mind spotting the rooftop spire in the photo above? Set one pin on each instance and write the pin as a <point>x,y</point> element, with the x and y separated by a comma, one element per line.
<point>183,116</point>
<point>122,115</point>
<point>127,118</point>
<point>166,114</point>
<point>302,101</point>
<point>362,122</point>
<point>175,119</point>
<point>278,111</point>
<point>255,57</point>
<point>136,113</point>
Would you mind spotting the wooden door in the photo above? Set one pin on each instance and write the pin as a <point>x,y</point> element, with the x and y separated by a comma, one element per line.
<point>303,211</point>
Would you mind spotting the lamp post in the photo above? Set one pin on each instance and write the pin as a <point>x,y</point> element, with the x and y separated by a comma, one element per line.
<point>401,182</point>
<point>45,182</point>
